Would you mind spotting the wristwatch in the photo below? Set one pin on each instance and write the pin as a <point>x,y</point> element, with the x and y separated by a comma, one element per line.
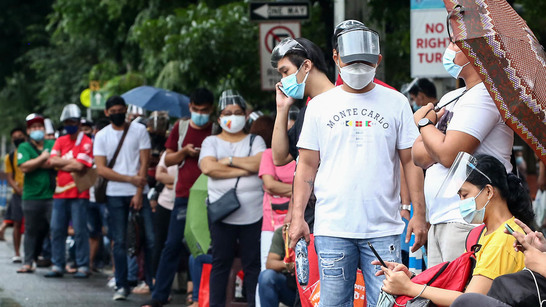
<point>424,122</point>
<point>405,207</point>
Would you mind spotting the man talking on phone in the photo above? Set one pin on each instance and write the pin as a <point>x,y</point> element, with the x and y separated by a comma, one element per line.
<point>182,149</point>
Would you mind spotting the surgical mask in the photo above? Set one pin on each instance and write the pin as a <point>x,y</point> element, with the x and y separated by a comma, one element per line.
<point>117,119</point>
<point>357,75</point>
<point>453,69</point>
<point>37,135</point>
<point>519,160</point>
<point>291,87</point>
<point>469,211</point>
<point>18,142</point>
<point>414,106</point>
<point>233,123</point>
<point>199,119</point>
<point>71,129</point>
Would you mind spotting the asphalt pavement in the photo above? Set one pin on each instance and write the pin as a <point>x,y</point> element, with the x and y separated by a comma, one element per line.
<point>35,290</point>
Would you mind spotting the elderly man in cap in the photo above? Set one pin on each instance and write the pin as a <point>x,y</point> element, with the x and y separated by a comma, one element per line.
<point>33,160</point>
<point>361,134</point>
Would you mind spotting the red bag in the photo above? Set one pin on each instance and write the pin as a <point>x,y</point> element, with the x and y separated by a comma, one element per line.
<point>450,275</point>
<point>204,286</point>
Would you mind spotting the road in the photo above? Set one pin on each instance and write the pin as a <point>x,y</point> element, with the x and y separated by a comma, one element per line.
<point>35,290</point>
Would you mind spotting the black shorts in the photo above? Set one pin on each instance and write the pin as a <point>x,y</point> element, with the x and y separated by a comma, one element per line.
<point>14,212</point>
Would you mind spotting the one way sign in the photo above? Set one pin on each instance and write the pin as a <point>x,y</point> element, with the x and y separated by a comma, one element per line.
<point>279,11</point>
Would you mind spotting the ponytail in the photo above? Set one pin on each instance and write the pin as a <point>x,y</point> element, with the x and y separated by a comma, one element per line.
<point>519,201</point>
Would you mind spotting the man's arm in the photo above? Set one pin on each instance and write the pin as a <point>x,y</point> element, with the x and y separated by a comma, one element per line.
<point>176,157</point>
<point>12,183</point>
<point>33,164</point>
<point>415,180</point>
<point>104,171</point>
<point>274,262</point>
<point>279,141</point>
<point>136,201</point>
<point>212,168</point>
<point>420,155</point>
<point>71,165</point>
<point>303,187</point>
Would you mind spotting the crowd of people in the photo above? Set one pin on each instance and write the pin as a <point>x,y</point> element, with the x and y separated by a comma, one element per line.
<point>365,159</point>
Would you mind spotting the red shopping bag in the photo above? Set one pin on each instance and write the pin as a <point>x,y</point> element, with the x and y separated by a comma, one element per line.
<point>204,286</point>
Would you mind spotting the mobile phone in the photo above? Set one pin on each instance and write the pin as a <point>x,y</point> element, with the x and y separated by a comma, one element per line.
<point>510,230</point>
<point>282,90</point>
<point>197,148</point>
<point>377,255</point>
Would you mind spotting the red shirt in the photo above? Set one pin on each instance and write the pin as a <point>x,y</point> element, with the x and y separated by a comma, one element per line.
<point>66,148</point>
<point>188,174</point>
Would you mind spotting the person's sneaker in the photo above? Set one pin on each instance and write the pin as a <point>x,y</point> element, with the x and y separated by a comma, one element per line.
<point>43,263</point>
<point>16,259</point>
<point>53,274</point>
<point>120,295</point>
<point>111,283</point>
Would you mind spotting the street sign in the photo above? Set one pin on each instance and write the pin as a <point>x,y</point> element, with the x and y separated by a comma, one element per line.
<point>260,11</point>
<point>98,100</point>
<point>270,35</point>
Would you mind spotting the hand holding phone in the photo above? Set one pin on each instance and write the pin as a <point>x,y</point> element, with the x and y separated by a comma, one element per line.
<point>377,255</point>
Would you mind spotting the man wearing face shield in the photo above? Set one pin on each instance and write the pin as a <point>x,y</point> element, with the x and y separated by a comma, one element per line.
<point>468,121</point>
<point>72,152</point>
<point>361,134</point>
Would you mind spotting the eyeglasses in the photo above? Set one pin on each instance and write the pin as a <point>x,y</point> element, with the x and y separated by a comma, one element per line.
<point>458,9</point>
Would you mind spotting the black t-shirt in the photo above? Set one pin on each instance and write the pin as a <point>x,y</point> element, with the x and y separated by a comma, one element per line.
<point>293,138</point>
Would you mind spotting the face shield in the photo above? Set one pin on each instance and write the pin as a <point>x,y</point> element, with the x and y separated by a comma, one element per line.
<point>230,97</point>
<point>71,111</point>
<point>286,45</point>
<point>359,45</point>
<point>158,122</point>
<point>459,172</point>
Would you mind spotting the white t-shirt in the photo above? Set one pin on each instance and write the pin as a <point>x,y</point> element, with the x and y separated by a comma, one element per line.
<point>166,197</point>
<point>249,189</point>
<point>476,114</point>
<point>358,181</point>
<point>128,160</point>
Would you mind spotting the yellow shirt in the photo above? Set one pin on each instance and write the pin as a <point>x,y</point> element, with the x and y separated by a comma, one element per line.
<point>19,177</point>
<point>497,255</point>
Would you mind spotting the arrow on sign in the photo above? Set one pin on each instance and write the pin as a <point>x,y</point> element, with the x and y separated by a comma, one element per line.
<point>266,11</point>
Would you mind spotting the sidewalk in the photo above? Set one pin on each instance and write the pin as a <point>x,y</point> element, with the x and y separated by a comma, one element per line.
<point>35,290</point>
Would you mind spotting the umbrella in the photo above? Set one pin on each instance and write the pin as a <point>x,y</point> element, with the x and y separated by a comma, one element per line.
<point>510,61</point>
<point>196,233</point>
<point>158,99</point>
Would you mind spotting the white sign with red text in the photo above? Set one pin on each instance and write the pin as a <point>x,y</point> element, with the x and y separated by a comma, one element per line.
<point>429,40</point>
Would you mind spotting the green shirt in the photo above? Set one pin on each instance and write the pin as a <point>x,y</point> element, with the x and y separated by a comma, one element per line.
<point>277,243</point>
<point>37,183</point>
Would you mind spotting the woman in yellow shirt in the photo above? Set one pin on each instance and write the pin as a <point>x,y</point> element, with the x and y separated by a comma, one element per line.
<point>489,196</point>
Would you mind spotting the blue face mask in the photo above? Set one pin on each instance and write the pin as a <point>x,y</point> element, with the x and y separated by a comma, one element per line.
<point>291,87</point>
<point>37,135</point>
<point>467,207</point>
<point>199,119</point>
<point>71,129</point>
<point>453,69</point>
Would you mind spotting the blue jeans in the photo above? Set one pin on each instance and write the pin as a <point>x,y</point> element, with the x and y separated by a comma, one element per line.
<point>172,251</point>
<point>338,260</point>
<point>196,270</point>
<point>118,213</point>
<point>96,219</point>
<point>65,209</point>
<point>273,289</point>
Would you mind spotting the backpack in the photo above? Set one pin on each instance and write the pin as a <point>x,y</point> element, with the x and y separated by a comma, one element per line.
<point>451,275</point>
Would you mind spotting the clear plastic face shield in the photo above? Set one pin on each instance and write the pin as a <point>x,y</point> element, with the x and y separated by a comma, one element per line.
<point>286,45</point>
<point>158,122</point>
<point>70,111</point>
<point>459,172</point>
<point>230,97</point>
<point>359,45</point>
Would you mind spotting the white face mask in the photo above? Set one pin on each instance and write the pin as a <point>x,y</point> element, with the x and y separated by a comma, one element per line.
<point>233,123</point>
<point>357,75</point>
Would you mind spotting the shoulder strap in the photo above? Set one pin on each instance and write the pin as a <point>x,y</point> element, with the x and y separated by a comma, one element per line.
<point>113,161</point>
<point>474,236</point>
<point>183,125</point>
<point>252,137</point>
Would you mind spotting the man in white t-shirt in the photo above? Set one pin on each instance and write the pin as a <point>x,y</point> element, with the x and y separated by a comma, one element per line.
<point>471,123</point>
<point>360,133</point>
<point>127,186</point>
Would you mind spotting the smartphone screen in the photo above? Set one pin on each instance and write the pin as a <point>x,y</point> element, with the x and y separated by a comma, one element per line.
<point>510,230</point>
<point>377,255</point>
